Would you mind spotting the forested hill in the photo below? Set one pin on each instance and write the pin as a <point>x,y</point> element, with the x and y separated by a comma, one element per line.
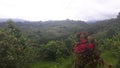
<point>51,29</point>
<point>48,29</point>
<point>105,28</point>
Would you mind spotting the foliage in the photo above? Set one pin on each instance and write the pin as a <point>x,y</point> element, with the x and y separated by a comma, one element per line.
<point>66,63</point>
<point>53,50</point>
<point>15,51</point>
<point>113,45</point>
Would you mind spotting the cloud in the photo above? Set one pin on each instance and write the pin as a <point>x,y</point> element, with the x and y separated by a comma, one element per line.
<point>59,9</point>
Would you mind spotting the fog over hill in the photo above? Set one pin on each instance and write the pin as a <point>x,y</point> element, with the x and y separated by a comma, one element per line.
<point>13,19</point>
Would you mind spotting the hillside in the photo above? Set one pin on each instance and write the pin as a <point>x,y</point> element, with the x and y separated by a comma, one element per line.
<point>56,29</point>
<point>61,28</point>
<point>105,28</point>
<point>51,28</point>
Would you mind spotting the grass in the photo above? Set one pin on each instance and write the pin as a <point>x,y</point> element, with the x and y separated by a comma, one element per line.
<point>109,59</point>
<point>67,63</point>
<point>43,64</point>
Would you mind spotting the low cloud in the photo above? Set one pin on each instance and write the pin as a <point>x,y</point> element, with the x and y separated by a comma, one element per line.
<point>59,9</point>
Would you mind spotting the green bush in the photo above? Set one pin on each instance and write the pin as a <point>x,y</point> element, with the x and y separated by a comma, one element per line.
<point>15,52</point>
<point>53,50</point>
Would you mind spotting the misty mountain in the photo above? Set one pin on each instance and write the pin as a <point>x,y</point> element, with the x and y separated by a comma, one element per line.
<point>58,28</point>
<point>13,19</point>
<point>51,28</point>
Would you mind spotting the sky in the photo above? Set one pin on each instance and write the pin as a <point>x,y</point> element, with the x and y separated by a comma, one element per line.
<point>36,10</point>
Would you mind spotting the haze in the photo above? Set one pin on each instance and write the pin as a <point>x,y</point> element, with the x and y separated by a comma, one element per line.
<point>36,10</point>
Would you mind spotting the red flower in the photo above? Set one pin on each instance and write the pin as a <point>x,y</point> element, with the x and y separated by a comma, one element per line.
<point>83,40</point>
<point>76,49</point>
<point>80,48</point>
<point>83,48</point>
<point>91,46</point>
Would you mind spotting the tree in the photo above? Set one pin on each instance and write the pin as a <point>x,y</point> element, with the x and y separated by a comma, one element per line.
<point>15,52</point>
<point>53,50</point>
<point>110,33</point>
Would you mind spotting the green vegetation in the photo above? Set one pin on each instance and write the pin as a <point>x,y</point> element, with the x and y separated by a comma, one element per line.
<point>50,44</point>
<point>109,58</point>
<point>68,63</point>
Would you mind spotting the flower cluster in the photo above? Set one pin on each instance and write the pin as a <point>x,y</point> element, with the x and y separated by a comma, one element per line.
<point>83,44</point>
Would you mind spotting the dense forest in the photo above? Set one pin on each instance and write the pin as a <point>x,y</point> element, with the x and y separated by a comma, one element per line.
<point>49,44</point>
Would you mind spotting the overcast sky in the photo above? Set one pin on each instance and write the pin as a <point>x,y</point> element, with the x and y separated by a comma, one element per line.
<point>35,10</point>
